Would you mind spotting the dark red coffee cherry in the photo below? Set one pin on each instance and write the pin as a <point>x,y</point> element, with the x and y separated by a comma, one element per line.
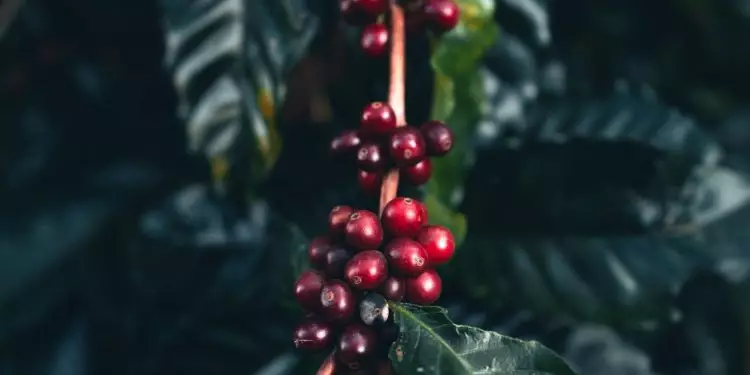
<point>337,301</point>
<point>424,289</point>
<point>317,251</point>
<point>313,334</point>
<point>363,230</point>
<point>337,220</point>
<point>374,310</point>
<point>369,182</point>
<point>393,288</point>
<point>403,217</point>
<point>336,260</point>
<point>372,8</point>
<point>356,345</point>
<point>366,270</point>
<point>406,257</point>
<point>442,15</point>
<point>354,14</point>
<point>307,290</point>
<point>378,120</point>
<point>438,242</point>
<point>407,146</point>
<point>346,143</point>
<point>374,40</point>
<point>418,174</point>
<point>370,157</point>
<point>438,137</point>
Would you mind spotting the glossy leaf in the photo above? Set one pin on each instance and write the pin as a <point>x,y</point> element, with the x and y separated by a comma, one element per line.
<point>430,343</point>
<point>229,59</point>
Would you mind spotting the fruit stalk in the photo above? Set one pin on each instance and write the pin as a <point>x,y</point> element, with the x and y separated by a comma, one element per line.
<point>396,95</point>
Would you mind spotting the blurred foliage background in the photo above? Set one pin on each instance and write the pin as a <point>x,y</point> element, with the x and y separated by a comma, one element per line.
<point>162,164</point>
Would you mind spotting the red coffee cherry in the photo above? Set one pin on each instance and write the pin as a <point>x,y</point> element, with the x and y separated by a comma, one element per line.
<point>442,15</point>
<point>346,143</point>
<point>438,242</point>
<point>363,230</point>
<point>407,146</point>
<point>424,289</point>
<point>366,270</point>
<point>369,182</point>
<point>374,40</point>
<point>313,334</point>
<point>438,137</point>
<point>307,290</point>
<point>336,260</point>
<point>337,301</point>
<point>403,217</point>
<point>356,345</point>
<point>393,288</point>
<point>317,251</point>
<point>418,174</point>
<point>406,257</point>
<point>372,8</point>
<point>337,220</point>
<point>370,157</point>
<point>378,120</point>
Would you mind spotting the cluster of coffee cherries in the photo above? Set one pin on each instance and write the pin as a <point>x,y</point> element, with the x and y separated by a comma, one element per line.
<point>380,145</point>
<point>438,16</point>
<point>361,263</point>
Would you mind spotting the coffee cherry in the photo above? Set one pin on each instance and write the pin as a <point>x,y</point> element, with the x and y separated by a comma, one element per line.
<point>337,220</point>
<point>438,242</point>
<point>366,270</point>
<point>369,182</point>
<point>354,14</point>
<point>313,334</point>
<point>370,157</point>
<point>393,288</point>
<point>372,8</point>
<point>403,217</point>
<point>356,345</point>
<point>374,40</point>
<point>438,137</point>
<point>374,310</point>
<point>317,251</point>
<point>307,290</point>
<point>337,301</point>
<point>418,174</point>
<point>424,289</point>
<point>346,143</point>
<point>378,119</point>
<point>363,230</point>
<point>406,257</point>
<point>407,146</point>
<point>442,15</point>
<point>336,260</point>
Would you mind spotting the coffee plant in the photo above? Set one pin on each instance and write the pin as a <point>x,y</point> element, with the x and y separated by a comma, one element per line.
<point>385,187</point>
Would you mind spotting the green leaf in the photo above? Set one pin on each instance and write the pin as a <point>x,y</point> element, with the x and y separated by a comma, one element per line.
<point>228,60</point>
<point>430,343</point>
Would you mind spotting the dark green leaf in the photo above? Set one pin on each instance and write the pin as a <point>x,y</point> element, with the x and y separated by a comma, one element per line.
<point>429,343</point>
<point>228,60</point>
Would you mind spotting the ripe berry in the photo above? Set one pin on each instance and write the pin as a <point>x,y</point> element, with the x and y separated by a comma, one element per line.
<point>406,257</point>
<point>418,174</point>
<point>438,137</point>
<point>407,146</point>
<point>317,251</point>
<point>403,217</point>
<point>337,301</point>
<point>374,310</point>
<point>313,334</point>
<point>307,290</point>
<point>374,40</point>
<point>335,262</point>
<point>438,242</point>
<point>393,288</point>
<point>363,230</point>
<point>337,220</point>
<point>366,270</point>
<point>370,157</point>
<point>442,15</point>
<point>369,182</point>
<point>356,344</point>
<point>372,8</point>
<point>346,143</point>
<point>424,289</point>
<point>378,119</point>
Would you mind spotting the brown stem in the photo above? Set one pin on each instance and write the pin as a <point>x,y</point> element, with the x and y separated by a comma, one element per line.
<point>328,367</point>
<point>396,96</point>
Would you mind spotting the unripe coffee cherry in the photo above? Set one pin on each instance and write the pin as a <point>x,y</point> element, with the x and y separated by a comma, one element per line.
<point>307,290</point>
<point>406,257</point>
<point>403,217</point>
<point>374,40</point>
<point>363,230</point>
<point>374,310</point>
<point>356,345</point>
<point>317,250</point>
<point>438,137</point>
<point>378,120</point>
<point>438,242</point>
<point>366,270</point>
<point>337,301</point>
<point>406,146</point>
<point>337,220</point>
<point>313,334</point>
<point>424,289</point>
<point>393,288</point>
<point>418,174</point>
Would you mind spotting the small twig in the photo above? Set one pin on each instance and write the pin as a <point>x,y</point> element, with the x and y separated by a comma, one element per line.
<point>396,95</point>
<point>328,367</point>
